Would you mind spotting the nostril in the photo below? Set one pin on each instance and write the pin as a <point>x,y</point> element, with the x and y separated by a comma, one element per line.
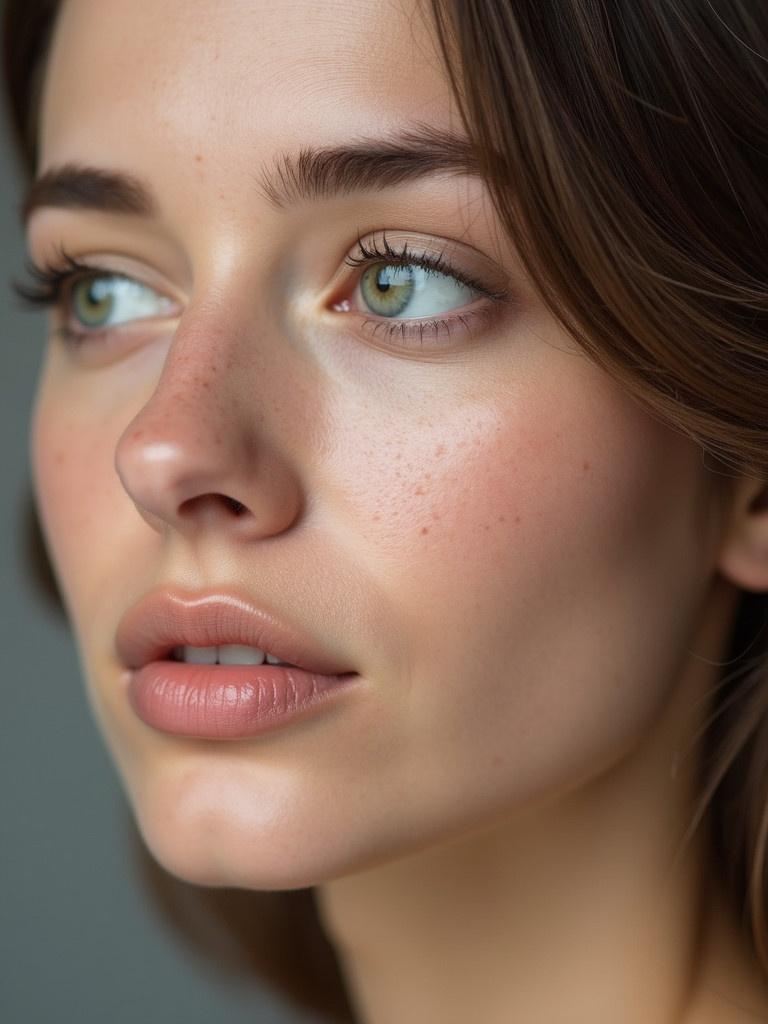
<point>214,500</point>
<point>237,507</point>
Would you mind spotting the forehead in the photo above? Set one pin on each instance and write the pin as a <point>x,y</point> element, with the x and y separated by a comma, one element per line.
<point>236,76</point>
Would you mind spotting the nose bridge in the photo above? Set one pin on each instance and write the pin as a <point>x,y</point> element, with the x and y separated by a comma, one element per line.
<point>189,399</point>
<point>199,443</point>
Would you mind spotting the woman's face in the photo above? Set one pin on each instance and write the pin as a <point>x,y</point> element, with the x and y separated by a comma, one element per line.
<point>461,508</point>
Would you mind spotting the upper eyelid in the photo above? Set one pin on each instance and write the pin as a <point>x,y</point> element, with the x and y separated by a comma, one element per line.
<point>49,281</point>
<point>446,255</point>
<point>414,259</point>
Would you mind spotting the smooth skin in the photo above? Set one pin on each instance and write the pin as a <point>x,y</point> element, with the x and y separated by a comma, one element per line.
<point>534,578</point>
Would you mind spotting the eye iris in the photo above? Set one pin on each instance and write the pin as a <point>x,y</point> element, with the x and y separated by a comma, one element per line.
<point>92,300</point>
<point>387,289</point>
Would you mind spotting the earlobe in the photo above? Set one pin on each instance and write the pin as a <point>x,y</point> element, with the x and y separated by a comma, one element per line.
<point>744,548</point>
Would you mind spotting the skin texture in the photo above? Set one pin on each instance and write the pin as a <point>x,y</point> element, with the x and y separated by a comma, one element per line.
<point>532,576</point>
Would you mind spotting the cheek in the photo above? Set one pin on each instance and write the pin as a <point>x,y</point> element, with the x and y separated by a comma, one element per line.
<point>77,497</point>
<point>544,562</point>
<point>538,489</point>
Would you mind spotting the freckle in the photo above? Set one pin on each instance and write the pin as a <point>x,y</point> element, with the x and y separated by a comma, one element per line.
<point>425,529</point>
<point>198,158</point>
<point>428,476</point>
<point>517,519</point>
<point>486,527</point>
<point>497,760</point>
<point>436,516</point>
<point>502,519</point>
<point>440,450</point>
<point>419,490</point>
<point>376,517</point>
<point>585,467</point>
<point>59,458</point>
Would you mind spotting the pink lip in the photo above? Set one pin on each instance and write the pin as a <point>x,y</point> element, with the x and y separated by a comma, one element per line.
<point>220,702</point>
<point>171,617</point>
<point>227,702</point>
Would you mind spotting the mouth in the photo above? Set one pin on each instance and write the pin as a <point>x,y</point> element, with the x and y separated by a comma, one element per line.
<point>217,666</point>
<point>221,628</point>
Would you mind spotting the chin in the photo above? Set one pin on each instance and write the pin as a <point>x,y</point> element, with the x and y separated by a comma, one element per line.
<point>217,858</point>
<point>245,847</point>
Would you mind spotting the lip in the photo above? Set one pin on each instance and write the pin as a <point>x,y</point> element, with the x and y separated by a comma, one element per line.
<point>171,617</point>
<point>229,702</point>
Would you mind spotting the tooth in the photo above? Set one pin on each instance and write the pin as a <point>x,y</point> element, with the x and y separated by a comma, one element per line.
<point>200,655</point>
<point>238,654</point>
<point>272,660</point>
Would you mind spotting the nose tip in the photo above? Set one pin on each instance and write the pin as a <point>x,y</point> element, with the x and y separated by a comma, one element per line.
<point>187,472</point>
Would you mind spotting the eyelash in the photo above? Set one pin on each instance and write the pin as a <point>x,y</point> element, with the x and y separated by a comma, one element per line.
<point>48,285</point>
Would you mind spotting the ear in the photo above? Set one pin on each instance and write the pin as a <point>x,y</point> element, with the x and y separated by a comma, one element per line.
<point>744,547</point>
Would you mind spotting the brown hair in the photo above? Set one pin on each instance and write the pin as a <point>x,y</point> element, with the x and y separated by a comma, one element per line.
<point>626,149</point>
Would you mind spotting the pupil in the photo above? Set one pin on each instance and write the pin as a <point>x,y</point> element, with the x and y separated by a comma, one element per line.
<point>381,281</point>
<point>93,300</point>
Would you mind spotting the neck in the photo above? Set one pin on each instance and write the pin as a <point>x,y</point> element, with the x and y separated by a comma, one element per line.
<point>589,908</point>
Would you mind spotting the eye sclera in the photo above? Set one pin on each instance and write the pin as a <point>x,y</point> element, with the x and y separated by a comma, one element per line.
<point>98,286</point>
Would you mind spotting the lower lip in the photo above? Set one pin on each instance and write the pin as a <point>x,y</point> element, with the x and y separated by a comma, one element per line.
<point>227,702</point>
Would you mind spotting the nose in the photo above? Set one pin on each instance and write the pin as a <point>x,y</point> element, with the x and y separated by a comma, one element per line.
<point>197,457</point>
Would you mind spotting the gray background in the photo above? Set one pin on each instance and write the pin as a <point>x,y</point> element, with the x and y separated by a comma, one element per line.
<point>80,941</point>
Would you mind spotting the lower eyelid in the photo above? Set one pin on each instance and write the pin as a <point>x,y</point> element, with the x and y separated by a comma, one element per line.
<point>128,332</point>
<point>431,332</point>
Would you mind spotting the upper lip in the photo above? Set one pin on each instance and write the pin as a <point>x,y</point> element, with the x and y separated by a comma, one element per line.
<point>171,617</point>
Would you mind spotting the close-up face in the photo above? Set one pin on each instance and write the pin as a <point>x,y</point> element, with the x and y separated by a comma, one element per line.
<point>327,389</point>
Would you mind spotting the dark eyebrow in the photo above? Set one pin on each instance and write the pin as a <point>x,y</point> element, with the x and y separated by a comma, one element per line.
<point>368,164</point>
<point>313,173</point>
<point>88,188</point>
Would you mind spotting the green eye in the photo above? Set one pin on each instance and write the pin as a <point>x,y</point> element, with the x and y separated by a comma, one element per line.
<point>105,300</point>
<point>91,301</point>
<point>391,289</point>
<point>387,289</point>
